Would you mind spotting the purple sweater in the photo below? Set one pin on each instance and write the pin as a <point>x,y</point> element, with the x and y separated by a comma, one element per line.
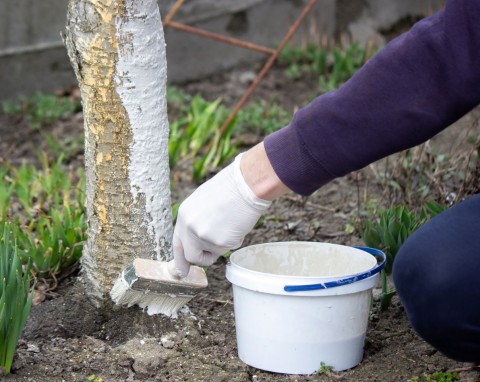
<point>416,86</point>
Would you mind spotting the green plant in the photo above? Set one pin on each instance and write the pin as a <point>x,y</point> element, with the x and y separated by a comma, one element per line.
<point>46,210</point>
<point>94,378</point>
<point>390,231</point>
<point>304,60</point>
<point>41,109</point>
<point>332,66</point>
<point>196,123</point>
<point>15,297</point>
<point>345,62</point>
<point>324,368</point>
<point>195,135</point>
<point>191,137</point>
<point>438,376</point>
<point>54,243</point>
<point>442,376</point>
<point>5,193</point>
<point>261,118</point>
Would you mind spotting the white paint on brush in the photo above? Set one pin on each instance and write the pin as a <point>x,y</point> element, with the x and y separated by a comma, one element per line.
<point>141,77</point>
<point>151,302</point>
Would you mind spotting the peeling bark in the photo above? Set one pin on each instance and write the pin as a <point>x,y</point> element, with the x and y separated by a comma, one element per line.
<point>117,50</point>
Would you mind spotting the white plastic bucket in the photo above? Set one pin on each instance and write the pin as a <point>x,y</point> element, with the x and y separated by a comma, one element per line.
<point>300,305</point>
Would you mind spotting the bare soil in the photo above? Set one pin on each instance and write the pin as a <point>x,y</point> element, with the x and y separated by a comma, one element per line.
<point>67,339</point>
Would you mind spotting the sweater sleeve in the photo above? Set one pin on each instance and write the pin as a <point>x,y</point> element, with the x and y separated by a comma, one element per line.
<point>416,86</point>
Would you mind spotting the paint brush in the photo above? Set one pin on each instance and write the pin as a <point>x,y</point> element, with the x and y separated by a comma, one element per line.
<point>153,285</point>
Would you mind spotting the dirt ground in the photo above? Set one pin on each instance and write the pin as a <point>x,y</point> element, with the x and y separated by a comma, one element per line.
<point>66,339</point>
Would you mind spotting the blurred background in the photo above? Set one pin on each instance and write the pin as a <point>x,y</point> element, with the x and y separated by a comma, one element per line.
<point>33,58</point>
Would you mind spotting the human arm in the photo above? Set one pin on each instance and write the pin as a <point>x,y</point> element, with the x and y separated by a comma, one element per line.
<point>419,84</point>
<point>416,86</point>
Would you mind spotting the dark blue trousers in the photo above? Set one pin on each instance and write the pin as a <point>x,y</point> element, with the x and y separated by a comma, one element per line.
<point>437,276</point>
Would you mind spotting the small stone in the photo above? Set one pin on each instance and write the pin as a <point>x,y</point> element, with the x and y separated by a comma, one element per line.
<point>33,348</point>
<point>168,341</point>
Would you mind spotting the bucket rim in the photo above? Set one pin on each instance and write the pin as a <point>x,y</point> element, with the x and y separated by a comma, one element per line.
<point>296,277</point>
<point>348,279</point>
<point>305,285</point>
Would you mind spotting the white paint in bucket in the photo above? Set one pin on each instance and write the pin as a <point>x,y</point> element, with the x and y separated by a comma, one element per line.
<point>294,332</point>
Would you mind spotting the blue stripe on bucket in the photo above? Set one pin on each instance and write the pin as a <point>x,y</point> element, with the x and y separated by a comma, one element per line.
<point>349,280</point>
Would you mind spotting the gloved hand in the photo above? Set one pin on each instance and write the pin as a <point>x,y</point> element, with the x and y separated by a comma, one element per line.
<point>215,218</point>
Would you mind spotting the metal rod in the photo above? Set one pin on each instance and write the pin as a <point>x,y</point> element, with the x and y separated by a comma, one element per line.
<point>266,67</point>
<point>172,11</point>
<point>219,37</point>
<point>244,44</point>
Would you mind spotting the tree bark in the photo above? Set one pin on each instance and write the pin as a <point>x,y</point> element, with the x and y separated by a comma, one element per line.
<point>117,50</point>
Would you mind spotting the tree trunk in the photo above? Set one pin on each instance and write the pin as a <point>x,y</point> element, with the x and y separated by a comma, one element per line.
<point>117,50</point>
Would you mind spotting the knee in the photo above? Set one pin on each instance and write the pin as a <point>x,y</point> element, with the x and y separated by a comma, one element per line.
<point>436,302</point>
<point>418,291</point>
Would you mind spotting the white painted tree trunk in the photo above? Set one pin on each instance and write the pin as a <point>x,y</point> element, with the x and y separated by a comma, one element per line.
<point>117,49</point>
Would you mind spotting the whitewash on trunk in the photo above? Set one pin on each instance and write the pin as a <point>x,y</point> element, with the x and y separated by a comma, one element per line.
<point>117,49</point>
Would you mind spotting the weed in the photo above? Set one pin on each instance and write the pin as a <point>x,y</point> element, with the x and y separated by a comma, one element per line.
<point>46,210</point>
<point>390,231</point>
<point>438,376</point>
<point>41,109</point>
<point>332,66</point>
<point>324,368</point>
<point>94,378</point>
<point>191,136</point>
<point>194,131</point>
<point>345,62</point>
<point>261,118</point>
<point>55,242</point>
<point>15,297</point>
<point>442,376</point>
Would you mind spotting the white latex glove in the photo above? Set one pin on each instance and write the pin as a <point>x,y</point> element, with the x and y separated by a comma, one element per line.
<point>215,218</point>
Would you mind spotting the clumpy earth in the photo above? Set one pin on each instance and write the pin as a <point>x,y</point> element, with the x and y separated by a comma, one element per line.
<point>67,339</point>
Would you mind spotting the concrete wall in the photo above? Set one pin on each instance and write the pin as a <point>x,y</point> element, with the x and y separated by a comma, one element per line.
<point>264,23</point>
<point>32,57</point>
